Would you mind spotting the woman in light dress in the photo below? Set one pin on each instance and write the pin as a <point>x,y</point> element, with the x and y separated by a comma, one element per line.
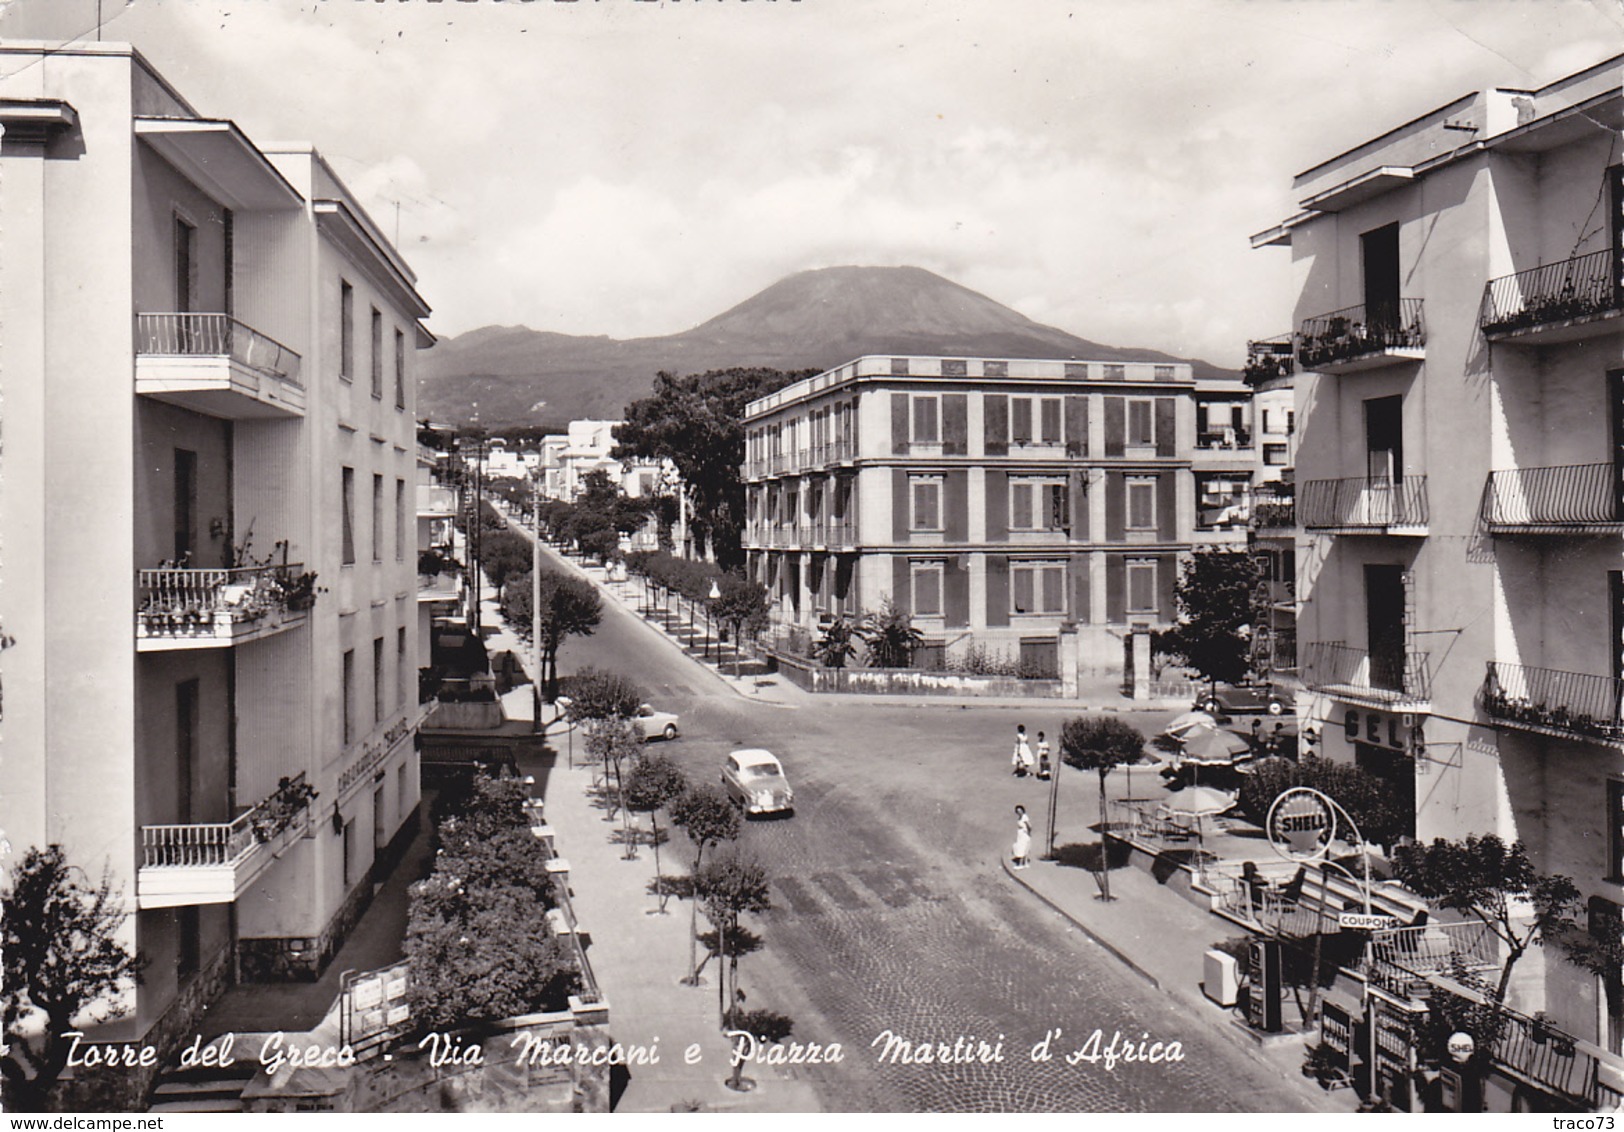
<point>1022,848</point>
<point>1021,758</point>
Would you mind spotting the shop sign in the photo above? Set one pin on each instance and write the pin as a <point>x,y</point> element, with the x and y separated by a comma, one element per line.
<point>1363,922</point>
<point>1301,824</point>
<point>1382,729</point>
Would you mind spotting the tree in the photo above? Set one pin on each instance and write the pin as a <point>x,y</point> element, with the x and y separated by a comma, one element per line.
<point>891,637</point>
<point>707,817</point>
<point>570,607</point>
<point>1215,595</point>
<point>729,887</point>
<point>835,647</point>
<point>655,782</point>
<point>596,694</point>
<point>1382,813</point>
<point>1100,743</point>
<point>613,742</point>
<point>62,961</point>
<point>1485,878</point>
<point>697,422</point>
<point>742,605</point>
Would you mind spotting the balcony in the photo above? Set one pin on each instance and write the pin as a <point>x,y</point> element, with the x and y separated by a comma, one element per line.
<point>440,587</point>
<point>213,364</point>
<point>1575,499</point>
<point>1354,339</point>
<point>1387,679</point>
<point>1225,440</point>
<point>1550,702</point>
<point>200,609</point>
<point>842,535</point>
<point>1559,302</point>
<point>1366,506</point>
<point>436,502</point>
<point>1269,359</point>
<point>842,452</point>
<point>1273,511</point>
<point>216,862</point>
<point>778,463</point>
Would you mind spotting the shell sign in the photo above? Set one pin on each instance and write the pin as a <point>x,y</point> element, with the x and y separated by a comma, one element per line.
<point>1301,824</point>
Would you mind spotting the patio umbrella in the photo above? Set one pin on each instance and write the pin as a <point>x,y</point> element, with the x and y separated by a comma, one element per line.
<point>1199,802</point>
<point>1213,747</point>
<point>1180,725</point>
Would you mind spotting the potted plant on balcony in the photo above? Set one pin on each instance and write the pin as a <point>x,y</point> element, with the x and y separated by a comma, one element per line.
<point>277,812</point>
<point>299,591</point>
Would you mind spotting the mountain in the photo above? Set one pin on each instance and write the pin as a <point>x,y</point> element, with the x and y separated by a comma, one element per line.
<point>810,320</point>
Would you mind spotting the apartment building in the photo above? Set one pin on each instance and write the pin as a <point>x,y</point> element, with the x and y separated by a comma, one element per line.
<point>1270,369</point>
<point>996,500</point>
<point>1460,412</point>
<point>210,473</point>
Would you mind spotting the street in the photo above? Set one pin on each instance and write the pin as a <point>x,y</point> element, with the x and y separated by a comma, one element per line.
<point>892,911</point>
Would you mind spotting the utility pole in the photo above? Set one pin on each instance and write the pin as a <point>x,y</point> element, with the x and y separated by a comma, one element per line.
<point>535,596</point>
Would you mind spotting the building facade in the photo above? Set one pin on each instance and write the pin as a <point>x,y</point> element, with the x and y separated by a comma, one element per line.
<point>996,501</point>
<point>1460,409</point>
<point>1271,367</point>
<point>209,526</point>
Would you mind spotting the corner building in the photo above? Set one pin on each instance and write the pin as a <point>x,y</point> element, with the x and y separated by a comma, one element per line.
<point>1460,482</point>
<point>997,501</point>
<point>209,384</point>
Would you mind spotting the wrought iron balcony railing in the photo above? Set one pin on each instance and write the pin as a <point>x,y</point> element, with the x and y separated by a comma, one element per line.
<point>1364,504</point>
<point>185,334</point>
<point>1233,438</point>
<point>1574,289</point>
<point>1268,359</point>
<point>1272,513</point>
<point>1389,677</point>
<point>1573,497</point>
<point>1576,703</point>
<point>1345,336</point>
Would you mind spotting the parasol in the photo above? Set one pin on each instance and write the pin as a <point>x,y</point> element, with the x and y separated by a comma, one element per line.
<point>1178,726</point>
<point>1199,802</point>
<point>1213,747</point>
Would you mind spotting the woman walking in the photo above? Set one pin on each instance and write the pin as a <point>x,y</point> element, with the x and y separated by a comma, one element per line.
<point>1021,758</point>
<point>1023,839</point>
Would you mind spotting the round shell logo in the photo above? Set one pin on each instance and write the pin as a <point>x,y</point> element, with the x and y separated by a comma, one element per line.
<point>1301,824</point>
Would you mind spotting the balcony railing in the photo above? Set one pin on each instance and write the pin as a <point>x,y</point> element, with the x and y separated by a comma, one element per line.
<point>1575,289</point>
<point>1221,439</point>
<point>1388,678</point>
<point>1344,337</point>
<point>1364,504</point>
<point>215,335</point>
<point>1554,499</point>
<point>219,606</point>
<point>1545,699</point>
<point>841,451</point>
<point>778,462</point>
<point>1268,359</point>
<point>1400,959</point>
<point>1273,513</point>
<point>842,534</point>
<point>213,862</point>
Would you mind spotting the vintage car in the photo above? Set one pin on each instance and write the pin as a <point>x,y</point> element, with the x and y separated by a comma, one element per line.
<point>755,780</point>
<point>1242,699</point>
<point>657,724</point>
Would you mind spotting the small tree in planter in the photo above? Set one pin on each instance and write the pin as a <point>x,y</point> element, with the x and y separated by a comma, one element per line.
<point>835,648</point>
<point>1100,743</point>
<point>891,637</point>
<point>654,782</point>
<point>729,887</point>
<point>613,742</point>
<point>708,818</point>
<point>741,605</point>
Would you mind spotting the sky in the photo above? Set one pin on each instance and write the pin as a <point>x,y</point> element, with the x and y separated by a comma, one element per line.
<point>634,167</point>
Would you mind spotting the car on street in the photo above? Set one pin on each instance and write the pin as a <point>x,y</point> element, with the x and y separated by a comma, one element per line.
<point>1242,699</point>
<point>754,779</point>
<point>657,724</point>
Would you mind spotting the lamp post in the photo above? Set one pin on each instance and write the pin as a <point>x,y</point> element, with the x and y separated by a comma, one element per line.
<point>715,592</point>
<point>535,601</point>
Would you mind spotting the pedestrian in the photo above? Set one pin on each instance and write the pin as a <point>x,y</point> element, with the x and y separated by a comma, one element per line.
<point>1021,850</point>
<point>1021,758</point>
<point>1277,739</point>
<point>1257,741</point>
<point>1043,757</point>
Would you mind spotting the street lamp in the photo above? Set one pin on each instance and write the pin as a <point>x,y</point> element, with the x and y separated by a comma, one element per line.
<point>715,592</point>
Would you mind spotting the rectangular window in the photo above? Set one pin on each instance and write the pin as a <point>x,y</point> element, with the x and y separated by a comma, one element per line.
<point>400,368</point>
<point>1164,373</point>
<point>1274,455</point>
<point>185,507</point>
<point>927,589</point>
<point>346,331</point>
<point>926,423</point>
<point>1266,427</point>
<point>1037,587</point>
<point>348,706</point>
<point>377,518</point>
<point>1615,830</point>
<point>349,516</point>
<point>1039,505</point>
<point>927,503</point>
<point>377,353</point>
<point>402,671</point>
<point>1141,423</point>
<point>1049,420</point>
<point>378,682</point>
<point>1116,373</point>
<point>1142,585</point>
<point>400,520</point>
<point>1142,504</point>
<point>1020,420</point>
<point>185,268</point>
<point>1291,421</point>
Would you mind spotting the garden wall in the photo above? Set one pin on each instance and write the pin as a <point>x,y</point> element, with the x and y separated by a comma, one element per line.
<point>907,681</point>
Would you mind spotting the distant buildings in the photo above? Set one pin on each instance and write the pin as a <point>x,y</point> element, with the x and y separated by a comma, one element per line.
<point>999,502</point>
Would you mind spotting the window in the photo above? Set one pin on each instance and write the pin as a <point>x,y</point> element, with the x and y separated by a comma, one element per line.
<point>400,520</point>
<point>1291,421</point>
<point>1142,504</point>
<point>927,589</point>
<point>1164,373</point>
<point>185,507</point>
<point>1116,373</point>
<point>378,684</point>
<point>1615,829</point>
<point>401,670</point>
<point>1049,420</point>
<point>349,516</point>
<point>348,706</point>
<point>377,353</point>
<point>1142,585</point>
<point>185,267</point>
<point>1220,501</point>
<point>1266,425</point>
<point>1020,420</point>
<point>1141,423</point>
<point>926,424</point>
<point>377,518</point>
<point>1039,505</point>
<point>346,331</point>
<point>1037,587</point>
<point>1274,455</point>
<point>400,368</point>
<point>927,503</point>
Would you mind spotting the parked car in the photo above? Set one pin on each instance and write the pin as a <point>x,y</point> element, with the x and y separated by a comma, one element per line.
<point>657,724</point>
<point>1242,699</point>
<point>755,780</point>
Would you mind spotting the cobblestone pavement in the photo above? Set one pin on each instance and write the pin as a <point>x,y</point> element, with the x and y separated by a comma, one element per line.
<point>891,911</point>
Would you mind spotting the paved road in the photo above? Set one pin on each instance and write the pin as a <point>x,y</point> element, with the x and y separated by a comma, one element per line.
<point>892,912</point>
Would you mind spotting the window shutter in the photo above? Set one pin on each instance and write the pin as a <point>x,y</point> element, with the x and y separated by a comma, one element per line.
<point>1076,425</point>
<point>1115,506</point>
<point>1024,584</point>
<point>899,424</point>
<point>1116,581</point>
<point>1167,504</point>
<point>1020,506</point>
<point>956,505</point>
<point>1167,573</point>
<point>1081,595</point>
<point>955,424</point>
<point>1078,490</point>
<point>995,407</point>
<point>901,584</point>
<point>956,592</point>
<point>1115,425</point>
<point>997,590</point>
<point>901,506</point>
<point>1049,420</point>
<point>997,493</point>
<point>1020,420</point>
<point>1166,434</point>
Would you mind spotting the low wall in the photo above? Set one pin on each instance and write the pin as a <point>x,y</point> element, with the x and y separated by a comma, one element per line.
<point>907,681</point>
